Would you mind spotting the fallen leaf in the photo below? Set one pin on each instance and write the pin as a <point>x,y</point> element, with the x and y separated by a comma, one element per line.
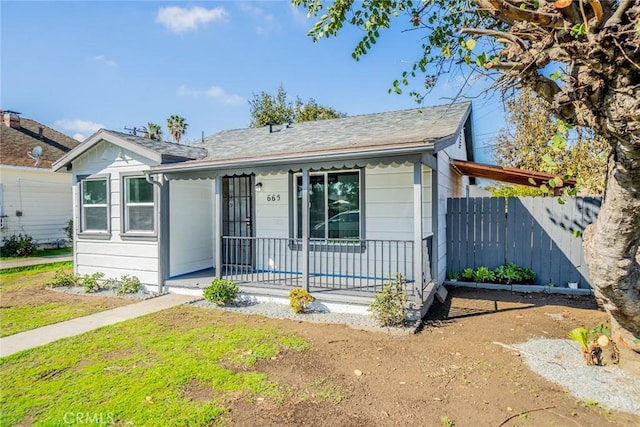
<point>358,372</point>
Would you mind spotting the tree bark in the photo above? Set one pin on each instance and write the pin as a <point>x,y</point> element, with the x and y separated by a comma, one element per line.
<point>612,243</point>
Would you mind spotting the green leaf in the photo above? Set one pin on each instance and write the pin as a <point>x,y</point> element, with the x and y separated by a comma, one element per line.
<point>577,233</point>
<point>556,75</point>
<point>561,201</point>
<point>470,44</point>
<point>532,181</point>
<point>544,188</point>
<point>559,142</point>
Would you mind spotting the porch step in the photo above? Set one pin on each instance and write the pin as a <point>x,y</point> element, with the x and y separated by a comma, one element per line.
<point>335,301</point>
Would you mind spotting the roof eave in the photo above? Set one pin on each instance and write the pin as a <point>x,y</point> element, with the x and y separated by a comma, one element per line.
<point>195,166</point>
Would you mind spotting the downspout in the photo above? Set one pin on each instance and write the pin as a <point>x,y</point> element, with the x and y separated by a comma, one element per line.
<point>163,227</point>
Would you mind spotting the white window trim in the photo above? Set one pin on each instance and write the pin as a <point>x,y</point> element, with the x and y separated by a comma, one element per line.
<point>89,233</point>
<point>137,234</point>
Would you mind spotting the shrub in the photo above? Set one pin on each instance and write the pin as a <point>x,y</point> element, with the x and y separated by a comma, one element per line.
<point>68,230</point>
<point>389,307</point>
<point>299,300</point>
<point>127,285</point>
<point>483,275</point>
<point>21,245</point>
<point>508,273</point>
<point>453,275</point>
<point>467,275</point>
<point>64,278</point>
<point>90,282</point>
<point>221,291</point>
<point>527,275</point>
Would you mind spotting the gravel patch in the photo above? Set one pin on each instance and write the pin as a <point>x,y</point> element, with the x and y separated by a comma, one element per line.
<point>106,292</point>
<point>560,361</point>
<point>276,310</point>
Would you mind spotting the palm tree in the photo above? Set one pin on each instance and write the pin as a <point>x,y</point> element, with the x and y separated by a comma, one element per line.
<point>177,127</point>
<point>152,131</point>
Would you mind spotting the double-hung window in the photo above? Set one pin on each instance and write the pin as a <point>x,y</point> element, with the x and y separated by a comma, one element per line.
<point>138,205</point>
<point>94,205</point>
<point>334,205</point>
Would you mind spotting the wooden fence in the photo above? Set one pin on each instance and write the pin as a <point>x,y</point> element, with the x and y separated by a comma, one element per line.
<point>534,232</point>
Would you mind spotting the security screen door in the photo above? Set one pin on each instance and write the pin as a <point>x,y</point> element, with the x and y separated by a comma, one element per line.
<point>237,220</point>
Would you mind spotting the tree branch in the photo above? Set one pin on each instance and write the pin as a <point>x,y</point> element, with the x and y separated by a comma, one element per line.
<point>616,18</point>
<point>497,34</point>
<point>510,11</point>
<point>505,65</point>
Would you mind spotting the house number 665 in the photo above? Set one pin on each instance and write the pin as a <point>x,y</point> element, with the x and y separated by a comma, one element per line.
<point>273,197</point>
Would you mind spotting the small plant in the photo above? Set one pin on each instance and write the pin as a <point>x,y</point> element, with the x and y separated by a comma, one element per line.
<point>68,230</point>
<point>64,278</point>
<point>127,285</point>
<point>221,291</point>
<point>90,282</point>
<point>508,273</point>
<point>448,422</point>
<point>596,344</point>
<point>527,275</point>
<point>453,275</point>
<point>467,275</point>
<point>483,275</point>
<point>389,307</point>
<point>299,300</point>
<point>21,245</point>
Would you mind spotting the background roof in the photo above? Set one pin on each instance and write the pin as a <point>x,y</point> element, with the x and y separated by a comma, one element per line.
<point>17,142</point>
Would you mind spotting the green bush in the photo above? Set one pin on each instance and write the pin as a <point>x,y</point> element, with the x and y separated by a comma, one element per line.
<point>21,245</point>
<point>468,275</point>
<point>90,282</point>
<point>508,273</point>
<point>483,275</point>
<point>299,300</point>
<point>527,275</point>
<point>127,285</point>
<point>68,230</point>
<point>221,291</point>
<point>389,307</point>
<point>64,278</point>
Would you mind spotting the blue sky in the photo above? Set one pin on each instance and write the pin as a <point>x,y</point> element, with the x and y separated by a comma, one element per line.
<point>79,66</point>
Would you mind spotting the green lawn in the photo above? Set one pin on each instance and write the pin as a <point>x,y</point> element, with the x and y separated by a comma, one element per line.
<point>26,304</point>
<point>140,372</point>
<point>45,253</point>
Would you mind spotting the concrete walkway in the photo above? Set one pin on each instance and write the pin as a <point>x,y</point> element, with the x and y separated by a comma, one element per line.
<point>25,262</point>
<point>41,336</point>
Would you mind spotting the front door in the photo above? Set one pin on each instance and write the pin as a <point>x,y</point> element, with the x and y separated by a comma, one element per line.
<point>237,220</point>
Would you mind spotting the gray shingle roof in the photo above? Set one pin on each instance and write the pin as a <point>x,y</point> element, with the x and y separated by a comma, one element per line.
<point>188,152</point>
<point>420,127</point>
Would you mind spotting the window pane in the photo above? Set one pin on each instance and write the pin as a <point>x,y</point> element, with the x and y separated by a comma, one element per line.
<point>94,192</point>
<point>344,205</point>
<point>140,218</point>
<point>95,218</point>
<point>139,191</point>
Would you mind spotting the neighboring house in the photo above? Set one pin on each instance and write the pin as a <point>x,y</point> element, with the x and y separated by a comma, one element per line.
<point>338,206</point>
<point>33,199</point>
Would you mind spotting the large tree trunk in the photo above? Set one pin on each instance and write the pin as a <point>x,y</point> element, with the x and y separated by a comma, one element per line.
<point>612,244</point>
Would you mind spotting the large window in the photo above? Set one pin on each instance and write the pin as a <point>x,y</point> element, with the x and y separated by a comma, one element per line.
<point>94,201</point>
<point>139,207</point>
<point>334,205</point>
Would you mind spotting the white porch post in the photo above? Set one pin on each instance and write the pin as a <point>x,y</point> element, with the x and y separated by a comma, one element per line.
<point>417,228</point>
<point>305,228</point>
<point>217,234</point>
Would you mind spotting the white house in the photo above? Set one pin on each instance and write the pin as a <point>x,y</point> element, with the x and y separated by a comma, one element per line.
<point>336,206</point>
<point>33,199</point>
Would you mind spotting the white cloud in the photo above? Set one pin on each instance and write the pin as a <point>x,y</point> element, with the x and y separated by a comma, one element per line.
<point>215,92</point>
<point>182,19</point>
<point>80,128</point>
<point>105,61</point>
<point>267,23</point>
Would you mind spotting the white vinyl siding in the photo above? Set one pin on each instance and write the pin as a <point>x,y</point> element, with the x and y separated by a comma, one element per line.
<point>42,197</point>
<point>116,255</point>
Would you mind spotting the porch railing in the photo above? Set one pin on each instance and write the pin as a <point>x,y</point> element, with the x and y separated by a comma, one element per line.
<point>345,264</point>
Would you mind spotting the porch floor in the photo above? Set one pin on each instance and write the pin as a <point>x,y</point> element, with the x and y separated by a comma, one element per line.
<point>279,282</point>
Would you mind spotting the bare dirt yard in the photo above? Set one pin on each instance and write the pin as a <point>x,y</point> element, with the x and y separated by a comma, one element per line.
<point>451,373</point>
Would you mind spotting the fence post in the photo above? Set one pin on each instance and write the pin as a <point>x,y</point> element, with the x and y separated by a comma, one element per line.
<point>305,228</point>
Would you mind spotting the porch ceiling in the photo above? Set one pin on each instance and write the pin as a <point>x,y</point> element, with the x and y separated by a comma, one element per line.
<point>505,174</point>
